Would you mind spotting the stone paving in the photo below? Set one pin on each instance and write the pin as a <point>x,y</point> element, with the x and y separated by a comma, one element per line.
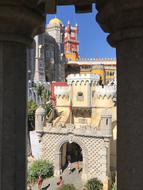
<point>73,178</point>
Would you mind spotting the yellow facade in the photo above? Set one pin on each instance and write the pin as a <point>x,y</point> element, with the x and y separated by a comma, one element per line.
<point>71,56</point>
<point>110,74</point>
<point>107,73</point>
<point>55,21</point>
<point>100,72</point>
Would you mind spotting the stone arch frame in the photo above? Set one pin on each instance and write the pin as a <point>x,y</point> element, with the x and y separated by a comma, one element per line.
<point>57,156</point>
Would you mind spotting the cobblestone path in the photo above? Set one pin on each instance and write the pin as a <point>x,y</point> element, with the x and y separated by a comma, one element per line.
<point>73,178</point>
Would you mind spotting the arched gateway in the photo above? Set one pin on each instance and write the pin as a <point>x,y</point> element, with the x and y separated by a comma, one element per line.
<point>60,161</point>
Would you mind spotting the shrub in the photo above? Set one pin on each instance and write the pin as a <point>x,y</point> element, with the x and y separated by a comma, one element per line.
<point>114,186</point>
<point>94,184</point>
<point>67,187</point>
<point>39,167</point>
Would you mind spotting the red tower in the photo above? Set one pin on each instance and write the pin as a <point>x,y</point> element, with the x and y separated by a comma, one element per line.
<point>71,44</point>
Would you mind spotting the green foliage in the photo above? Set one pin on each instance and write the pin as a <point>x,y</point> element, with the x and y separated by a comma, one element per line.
<point>67,187</point>
<point>49,108</point>
<point>94,184</point>
<point>40,89</point>
<point>42,93</point>
<point>114,186</point>
<point>39,167</point>
<point>32,106</point>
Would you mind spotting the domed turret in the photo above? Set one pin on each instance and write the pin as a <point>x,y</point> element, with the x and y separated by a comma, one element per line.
<point>55,21</point>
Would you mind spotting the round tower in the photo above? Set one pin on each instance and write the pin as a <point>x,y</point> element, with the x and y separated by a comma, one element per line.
<point>40,119</point>
<point>56,29</point>
<point>106,123</point>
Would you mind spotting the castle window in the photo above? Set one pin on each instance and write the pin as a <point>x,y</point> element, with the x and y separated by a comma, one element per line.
<point>106,121</point>
<point>80,96</point>
<point>93,93</point>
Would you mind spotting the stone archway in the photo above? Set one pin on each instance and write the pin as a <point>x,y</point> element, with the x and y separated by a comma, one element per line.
<point>57,159</point>
<point>70,152</point>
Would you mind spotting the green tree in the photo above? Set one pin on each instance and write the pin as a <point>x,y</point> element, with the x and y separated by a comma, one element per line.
<point>94,184</point>
<point>42,93</point>
<point>39,88</point>
<point>39,167</point>
<point>67,187</point>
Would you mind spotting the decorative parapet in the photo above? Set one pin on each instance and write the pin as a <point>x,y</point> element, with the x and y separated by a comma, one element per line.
<point>97,59</point>
<point>62,90</point>
<point>105,91</point>
<point>84,130</point>
<point>73,78</point>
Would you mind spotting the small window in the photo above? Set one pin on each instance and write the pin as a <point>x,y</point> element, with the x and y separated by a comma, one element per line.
<point>93,93</point>
<point>80,96</point>
<point>106,121</point>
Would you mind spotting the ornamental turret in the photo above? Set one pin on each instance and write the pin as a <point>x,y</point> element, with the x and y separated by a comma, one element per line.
<point>40,119</point>
<point>71,43</point>
<point>106,123</point>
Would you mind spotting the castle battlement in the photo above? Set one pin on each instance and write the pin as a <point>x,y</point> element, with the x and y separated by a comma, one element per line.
<point>105,91</point>
<point>97,59</point>
<point>62,90</point>
<point>74,78</point>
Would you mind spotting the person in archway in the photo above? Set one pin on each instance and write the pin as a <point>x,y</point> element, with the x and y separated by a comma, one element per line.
<point>69,166</point>
<point>39,181</point>
<point>68,157</point>
<point>77,167</point>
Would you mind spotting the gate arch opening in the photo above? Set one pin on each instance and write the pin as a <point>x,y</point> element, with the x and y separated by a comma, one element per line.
<point>70,152</point>
<point>81,148</point>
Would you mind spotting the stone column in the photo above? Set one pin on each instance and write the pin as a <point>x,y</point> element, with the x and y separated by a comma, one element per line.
<point>19,21</point>
<point>123,19</point>
<point>57,166</point>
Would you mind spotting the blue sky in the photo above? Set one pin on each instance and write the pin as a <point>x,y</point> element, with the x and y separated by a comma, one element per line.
<point>92,39</point>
